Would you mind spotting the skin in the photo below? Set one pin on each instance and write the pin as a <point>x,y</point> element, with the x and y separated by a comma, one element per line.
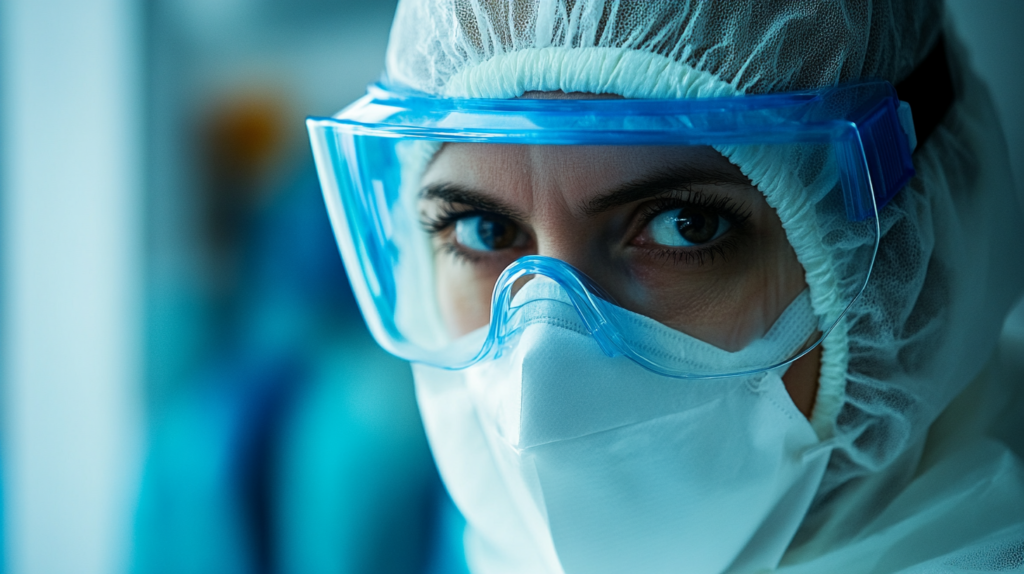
<point>604,210</point>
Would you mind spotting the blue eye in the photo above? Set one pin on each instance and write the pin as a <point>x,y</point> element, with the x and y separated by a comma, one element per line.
<point>687,227</point>
<point>487,233</point>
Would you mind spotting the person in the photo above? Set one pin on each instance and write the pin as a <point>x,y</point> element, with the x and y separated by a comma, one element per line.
<point>694,286</point>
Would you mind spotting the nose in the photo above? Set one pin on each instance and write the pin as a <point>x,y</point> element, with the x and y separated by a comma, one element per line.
<point>576,282</point>
<point>591,257</point>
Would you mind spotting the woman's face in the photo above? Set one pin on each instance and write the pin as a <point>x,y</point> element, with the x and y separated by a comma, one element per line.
<point>678,234</point>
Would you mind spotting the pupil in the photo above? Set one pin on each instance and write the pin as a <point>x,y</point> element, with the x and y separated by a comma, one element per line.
<point>696,226</point>
<point>496,233</point>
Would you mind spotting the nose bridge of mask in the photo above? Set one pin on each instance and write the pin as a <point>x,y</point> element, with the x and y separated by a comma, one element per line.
<point>544,301</point>
<point>553,382</point>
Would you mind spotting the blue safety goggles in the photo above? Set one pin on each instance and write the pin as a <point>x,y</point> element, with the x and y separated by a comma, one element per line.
<point>842,153</point>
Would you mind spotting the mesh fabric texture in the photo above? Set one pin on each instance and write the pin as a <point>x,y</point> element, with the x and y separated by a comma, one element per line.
<point>757,47</point>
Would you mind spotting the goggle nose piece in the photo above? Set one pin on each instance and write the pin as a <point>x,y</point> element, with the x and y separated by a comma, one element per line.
<point>585,295</point>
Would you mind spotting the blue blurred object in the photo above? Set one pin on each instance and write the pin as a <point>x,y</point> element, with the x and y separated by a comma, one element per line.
<point>299,448</point>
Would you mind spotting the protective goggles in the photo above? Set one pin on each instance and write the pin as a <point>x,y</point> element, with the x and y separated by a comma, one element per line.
<point>636,210</point>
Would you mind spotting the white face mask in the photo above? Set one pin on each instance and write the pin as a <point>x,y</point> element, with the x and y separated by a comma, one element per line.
<point>563,459</point>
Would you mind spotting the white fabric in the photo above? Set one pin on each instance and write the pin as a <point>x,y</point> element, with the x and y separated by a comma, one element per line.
<point>949,262</point>
<point>550,457</point>
<point>926,326</point>
<point>963,510</point>
<point>784,339</point>
<point>755,46</point>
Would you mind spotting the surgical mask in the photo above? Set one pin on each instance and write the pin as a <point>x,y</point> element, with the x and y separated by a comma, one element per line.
<point>565,459</point>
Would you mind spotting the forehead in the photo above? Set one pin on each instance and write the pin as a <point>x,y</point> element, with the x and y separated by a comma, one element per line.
<point>572,171</point>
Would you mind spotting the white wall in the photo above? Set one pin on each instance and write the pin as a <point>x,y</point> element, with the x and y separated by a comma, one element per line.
<point>71,269</point>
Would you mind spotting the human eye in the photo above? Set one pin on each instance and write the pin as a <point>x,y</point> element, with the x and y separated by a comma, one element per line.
<point>694,229</point>
<point>473,235</point>
<point>488,232</point>
<point>687,226</point>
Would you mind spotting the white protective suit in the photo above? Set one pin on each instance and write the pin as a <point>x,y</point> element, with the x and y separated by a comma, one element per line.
<point>926,417</point>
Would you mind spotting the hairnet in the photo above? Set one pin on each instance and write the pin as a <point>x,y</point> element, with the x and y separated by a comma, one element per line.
<point>754,46</point>
<point>948,264</point>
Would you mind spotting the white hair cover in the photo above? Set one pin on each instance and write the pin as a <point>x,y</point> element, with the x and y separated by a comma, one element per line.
<point>902,493</point>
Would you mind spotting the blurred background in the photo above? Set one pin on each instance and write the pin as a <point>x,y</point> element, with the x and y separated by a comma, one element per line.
<point>187,385</point>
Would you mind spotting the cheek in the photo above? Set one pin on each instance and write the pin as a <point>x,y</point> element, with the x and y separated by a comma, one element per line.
<point>724,309</point>
<point>728,303</point>
<point>463,297</point>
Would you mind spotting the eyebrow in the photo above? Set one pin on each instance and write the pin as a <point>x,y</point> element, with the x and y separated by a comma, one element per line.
<point>672,180</point>
<point>476,200</point>
<point>675,179</point>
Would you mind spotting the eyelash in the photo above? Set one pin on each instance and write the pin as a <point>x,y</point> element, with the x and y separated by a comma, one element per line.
<point>725,207</point>
<point>447,217</point>
<point>443,221</point>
